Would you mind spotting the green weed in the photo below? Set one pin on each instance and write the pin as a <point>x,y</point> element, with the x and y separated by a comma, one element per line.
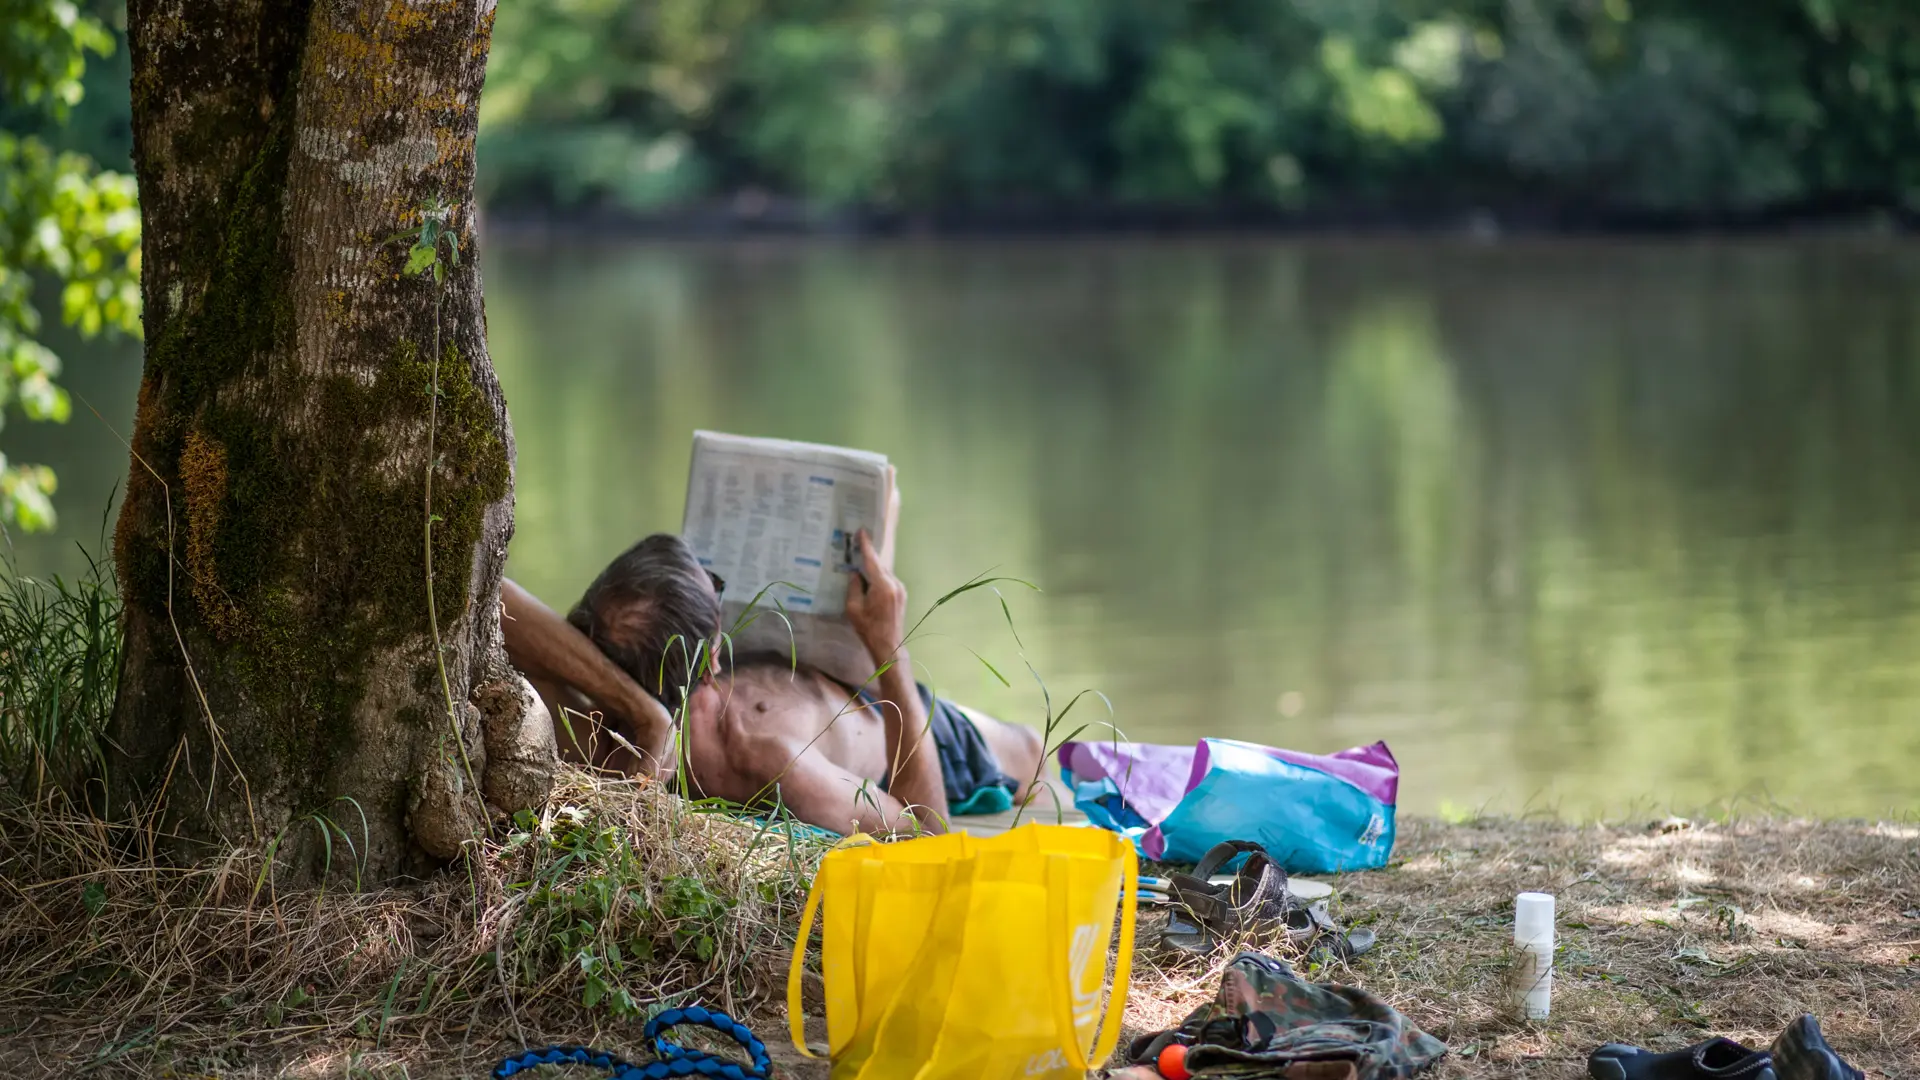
<point>59,668</point>
<point>599,904</point>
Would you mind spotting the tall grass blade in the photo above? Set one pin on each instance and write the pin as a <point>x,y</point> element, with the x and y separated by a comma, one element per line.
<point>59,669</point>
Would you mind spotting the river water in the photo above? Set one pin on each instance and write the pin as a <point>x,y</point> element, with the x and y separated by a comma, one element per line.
<point>1577,527</point>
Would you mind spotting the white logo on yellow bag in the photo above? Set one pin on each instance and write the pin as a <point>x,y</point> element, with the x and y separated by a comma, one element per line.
<point>1086,1003</point>
<point>1046,1063</point>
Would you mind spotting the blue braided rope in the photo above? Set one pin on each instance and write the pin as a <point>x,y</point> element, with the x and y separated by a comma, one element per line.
<point>677,1061</point>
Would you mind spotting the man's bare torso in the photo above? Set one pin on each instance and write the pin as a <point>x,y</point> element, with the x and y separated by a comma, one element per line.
<point>772,714</point>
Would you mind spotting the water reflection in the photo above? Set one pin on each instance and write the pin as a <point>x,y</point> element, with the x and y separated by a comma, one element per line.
<point>1589,527</point>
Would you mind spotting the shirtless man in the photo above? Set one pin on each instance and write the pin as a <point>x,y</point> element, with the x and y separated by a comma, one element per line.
<point>892,758</point>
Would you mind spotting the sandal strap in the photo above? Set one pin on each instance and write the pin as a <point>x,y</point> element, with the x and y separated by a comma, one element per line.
<point>1211,911</point>
<point>1222,853</point>
<point>1189,885</point>
<point>1260,880</point>
<point>1258,894</point>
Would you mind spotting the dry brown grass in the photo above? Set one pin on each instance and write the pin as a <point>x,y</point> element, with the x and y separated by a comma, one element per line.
<point>117,968</point>
<point>1666,938</point>
<point>1729,928</point>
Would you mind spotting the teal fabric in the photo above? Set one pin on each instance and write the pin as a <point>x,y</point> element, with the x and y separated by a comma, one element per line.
<point>1310,821</point>
<point>986,800</point>
<point>786,825</point>
<point>991,800</point>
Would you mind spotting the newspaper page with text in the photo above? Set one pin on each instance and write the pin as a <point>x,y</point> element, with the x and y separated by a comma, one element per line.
<point>777,519</point>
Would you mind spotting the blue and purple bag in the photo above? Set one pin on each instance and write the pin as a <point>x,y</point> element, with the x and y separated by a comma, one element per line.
<point>1314,813</point>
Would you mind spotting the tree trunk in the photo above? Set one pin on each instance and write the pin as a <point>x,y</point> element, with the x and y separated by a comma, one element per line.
<point>279,669</point>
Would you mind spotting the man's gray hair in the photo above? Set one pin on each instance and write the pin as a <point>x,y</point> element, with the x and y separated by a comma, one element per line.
<point>653,611</point>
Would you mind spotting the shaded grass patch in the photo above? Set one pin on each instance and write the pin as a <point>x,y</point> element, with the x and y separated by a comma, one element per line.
<point>572,926</point>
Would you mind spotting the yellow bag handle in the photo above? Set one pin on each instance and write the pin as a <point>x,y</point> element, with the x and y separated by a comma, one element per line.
<point>1116,1006</point>
<point>1109,1036</point>
<point>796,1019</point>
<point>1059,956</point>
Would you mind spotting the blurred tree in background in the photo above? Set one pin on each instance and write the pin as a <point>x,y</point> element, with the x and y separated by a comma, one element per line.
<point>1588,108</point>
<point>1682,106</point>
<point>1693,108</point>
<point>63,220</point>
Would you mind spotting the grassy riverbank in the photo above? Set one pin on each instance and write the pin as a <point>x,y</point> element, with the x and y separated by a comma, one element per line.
<point>1668,935</point>
<point>569,928</point>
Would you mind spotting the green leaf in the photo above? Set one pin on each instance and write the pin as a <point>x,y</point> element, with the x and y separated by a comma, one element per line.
<point>419,259</point>
<point>989,666</point>
<point>62,220</point>
<point>41,400</point>
<point>94,896</point>
<point>24,496</point>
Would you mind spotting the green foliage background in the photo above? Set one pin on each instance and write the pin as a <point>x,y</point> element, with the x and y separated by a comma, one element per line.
<point>1689,106</point>
<point>64,222</point>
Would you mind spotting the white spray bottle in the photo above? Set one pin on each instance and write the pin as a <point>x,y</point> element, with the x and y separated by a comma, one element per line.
<point>1533,953</point>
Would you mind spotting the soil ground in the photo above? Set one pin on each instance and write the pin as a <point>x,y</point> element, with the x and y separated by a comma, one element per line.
<point>1669,933</point>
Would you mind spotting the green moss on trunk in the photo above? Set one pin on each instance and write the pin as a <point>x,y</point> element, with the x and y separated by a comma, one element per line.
<point>298,503</point>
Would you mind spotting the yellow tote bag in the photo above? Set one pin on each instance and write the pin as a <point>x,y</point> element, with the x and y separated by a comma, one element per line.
<point>952,956</point>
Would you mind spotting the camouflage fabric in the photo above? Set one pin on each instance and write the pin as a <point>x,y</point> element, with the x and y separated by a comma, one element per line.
<point>1268,1022</point>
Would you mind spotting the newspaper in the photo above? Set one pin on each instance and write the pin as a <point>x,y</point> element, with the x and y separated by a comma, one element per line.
<point>778,520</point>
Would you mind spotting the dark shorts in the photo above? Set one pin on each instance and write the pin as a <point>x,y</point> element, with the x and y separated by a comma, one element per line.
<point>975,784</point>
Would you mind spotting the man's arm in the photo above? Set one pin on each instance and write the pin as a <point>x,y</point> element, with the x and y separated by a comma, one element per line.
<point>546,647</point>
<point>877,608</point>
<point>818,792</point>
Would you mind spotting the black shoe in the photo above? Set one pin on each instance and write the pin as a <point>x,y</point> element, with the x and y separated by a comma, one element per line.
<point>1719,1059</point>
<point>1802,1053</point>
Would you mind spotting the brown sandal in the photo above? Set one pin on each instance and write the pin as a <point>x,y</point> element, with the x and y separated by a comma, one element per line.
<point>1205,914</point>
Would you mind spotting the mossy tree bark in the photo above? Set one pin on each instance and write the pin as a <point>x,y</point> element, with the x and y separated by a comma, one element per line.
<point>279,659</point>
